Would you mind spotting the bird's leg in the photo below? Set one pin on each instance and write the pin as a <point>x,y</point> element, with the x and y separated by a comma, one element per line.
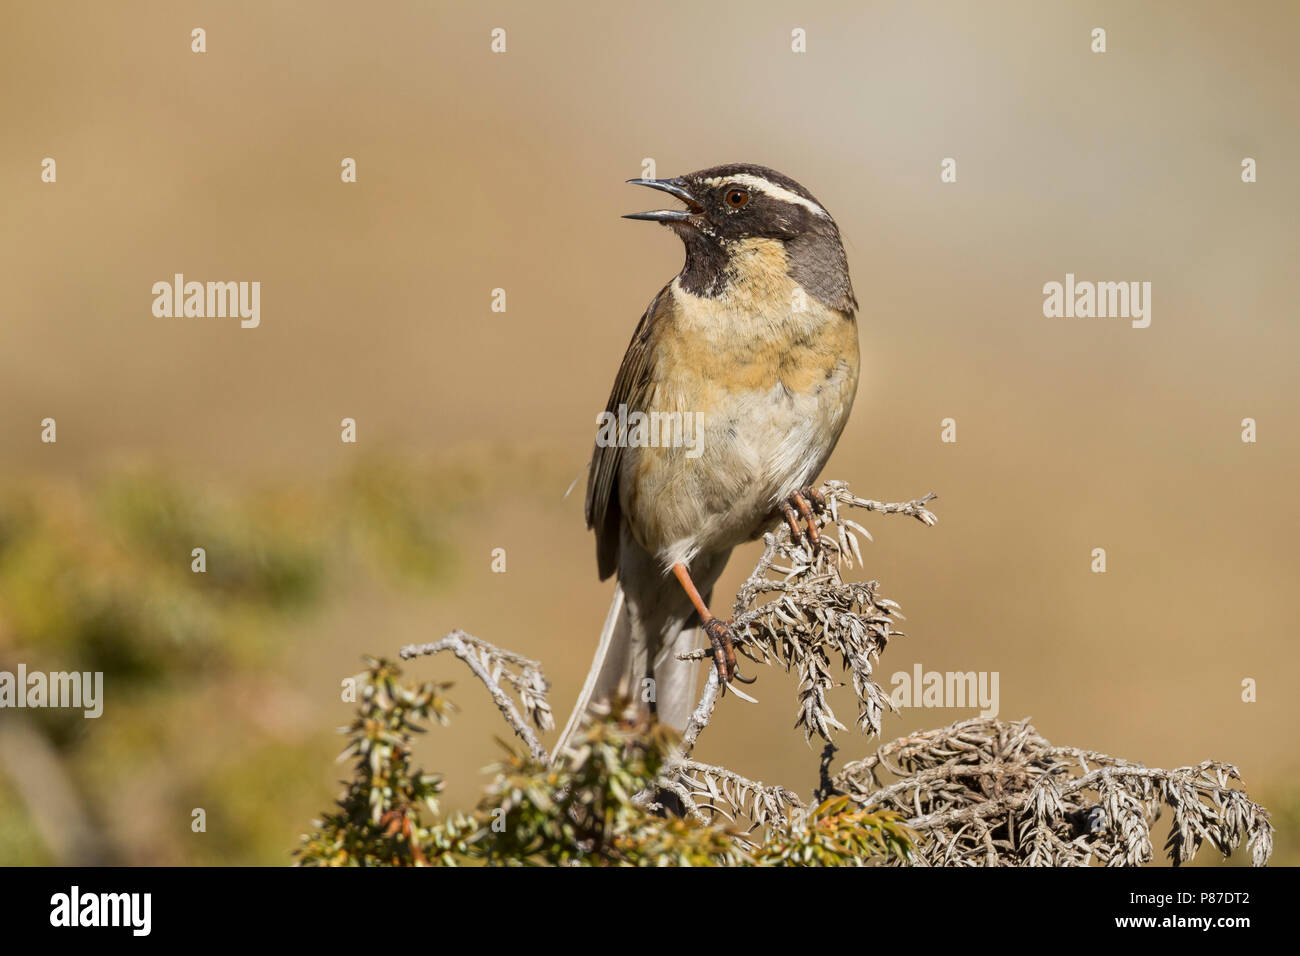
<point>791,518</point>
<point>804,503</point>
<point>720,633</point>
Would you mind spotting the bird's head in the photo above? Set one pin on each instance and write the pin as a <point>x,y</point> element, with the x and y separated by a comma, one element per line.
<point>733,210</point>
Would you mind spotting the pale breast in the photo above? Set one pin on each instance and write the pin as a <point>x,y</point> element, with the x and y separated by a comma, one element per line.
<point>767,393</point>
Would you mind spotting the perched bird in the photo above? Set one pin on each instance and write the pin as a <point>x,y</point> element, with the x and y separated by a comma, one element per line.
<point>753,346</point>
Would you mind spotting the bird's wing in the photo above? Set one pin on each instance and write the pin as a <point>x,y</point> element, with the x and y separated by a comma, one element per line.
<point>630,388</point>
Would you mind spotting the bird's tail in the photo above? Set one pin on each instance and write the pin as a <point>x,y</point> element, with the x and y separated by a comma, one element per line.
<point>616,625</point>
<point>628,652</point>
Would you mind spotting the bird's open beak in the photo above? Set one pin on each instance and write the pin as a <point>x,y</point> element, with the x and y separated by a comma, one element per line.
<point>674,187</point>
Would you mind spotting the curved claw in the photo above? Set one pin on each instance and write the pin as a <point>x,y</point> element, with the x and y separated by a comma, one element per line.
<point>724,657</point>
<point>804,503</point>
<point>736,675</point>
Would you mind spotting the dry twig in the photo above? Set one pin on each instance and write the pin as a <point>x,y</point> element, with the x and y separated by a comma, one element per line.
<point>491,665</point>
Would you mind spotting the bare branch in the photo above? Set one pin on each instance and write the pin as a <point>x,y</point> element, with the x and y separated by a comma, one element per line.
<point>491,664</point>
<point>702,713</point>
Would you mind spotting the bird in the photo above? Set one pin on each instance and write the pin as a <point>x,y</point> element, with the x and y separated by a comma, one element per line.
<point>748,360</point>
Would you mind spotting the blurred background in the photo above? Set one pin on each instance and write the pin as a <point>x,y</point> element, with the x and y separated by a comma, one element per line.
<point>479,171</point>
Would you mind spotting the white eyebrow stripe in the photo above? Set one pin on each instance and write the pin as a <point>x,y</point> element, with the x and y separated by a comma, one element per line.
<point>770,189</point>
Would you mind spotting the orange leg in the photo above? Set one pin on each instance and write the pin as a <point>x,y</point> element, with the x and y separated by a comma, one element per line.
<point>720,634</point>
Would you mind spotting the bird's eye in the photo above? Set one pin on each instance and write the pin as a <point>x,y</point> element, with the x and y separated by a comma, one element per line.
<point>737,198</point>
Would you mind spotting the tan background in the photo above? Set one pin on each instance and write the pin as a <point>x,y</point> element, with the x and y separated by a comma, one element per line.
<point>480,171</point>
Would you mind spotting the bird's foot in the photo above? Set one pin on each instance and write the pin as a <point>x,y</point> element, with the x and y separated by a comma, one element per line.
<point>804,503</point>
<point>723,639</point>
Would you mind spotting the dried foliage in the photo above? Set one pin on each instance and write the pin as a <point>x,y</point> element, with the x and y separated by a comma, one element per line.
<point>719,791</point>
<point>984,792</point>
<point>491,665</point>
<point>812,616</point>
<point>980,792</point>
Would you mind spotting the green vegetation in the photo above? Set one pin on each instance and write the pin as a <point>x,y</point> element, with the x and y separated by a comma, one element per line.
<point>583,811</point>
<point>97,576</point>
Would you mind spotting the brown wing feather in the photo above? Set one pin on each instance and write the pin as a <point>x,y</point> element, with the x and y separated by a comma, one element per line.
<point>603,514</point>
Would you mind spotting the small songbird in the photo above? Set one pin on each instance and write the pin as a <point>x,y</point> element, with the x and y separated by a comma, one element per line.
<point>754,346</point>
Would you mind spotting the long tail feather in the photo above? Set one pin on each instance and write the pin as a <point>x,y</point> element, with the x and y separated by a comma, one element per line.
<point>676,680</point>
<point>614,635</point>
